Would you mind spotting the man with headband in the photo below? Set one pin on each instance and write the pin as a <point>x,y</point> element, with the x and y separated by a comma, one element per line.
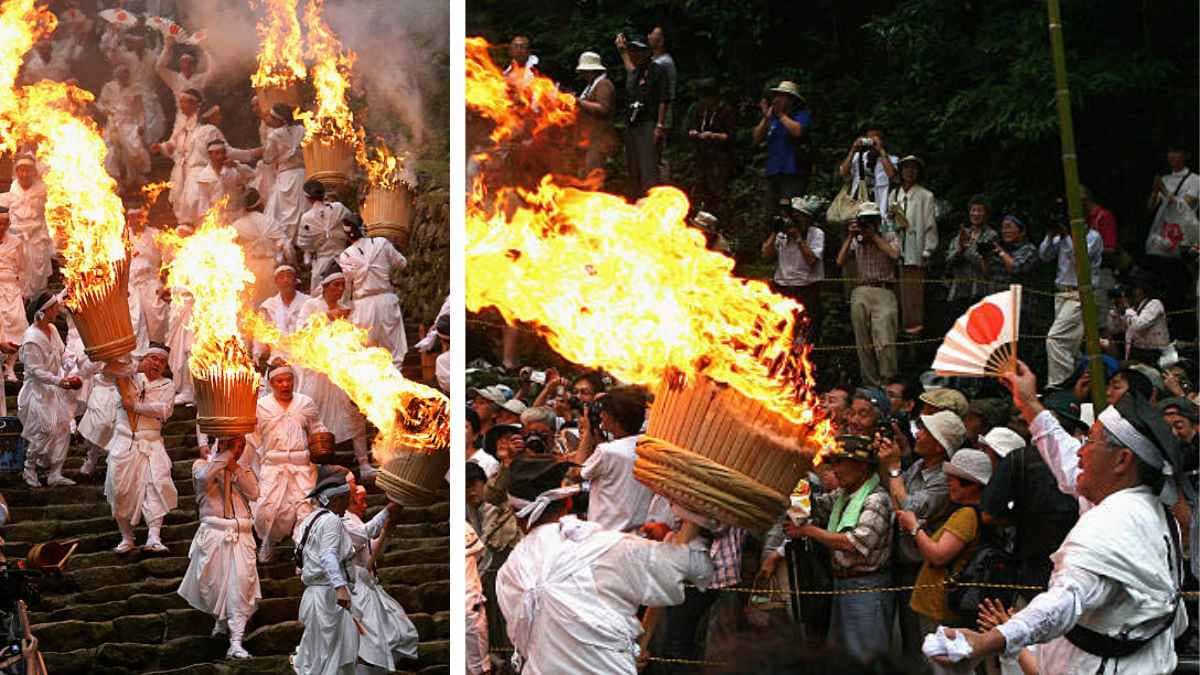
<point>285,474</point>
<point>138,484</point>
<point>188,148</point>
<point>369,263</point>
<point>222,178</point>
<point>320,234</point>
<point>26,204</point>
<point>283,308</point>
<point>325,553</point>
<point>282,155</point>
<point>570,590</point>
<point>12,272</point>
<point>191,76</point>
<point>222,579</point>
<point>1114,603</point>
<point>45,405</point>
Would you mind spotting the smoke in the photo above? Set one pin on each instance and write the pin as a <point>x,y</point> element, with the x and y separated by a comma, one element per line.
<point>402,48</point>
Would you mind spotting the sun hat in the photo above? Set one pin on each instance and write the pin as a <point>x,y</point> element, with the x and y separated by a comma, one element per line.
<point>972,465</point>
<point>947,429</point>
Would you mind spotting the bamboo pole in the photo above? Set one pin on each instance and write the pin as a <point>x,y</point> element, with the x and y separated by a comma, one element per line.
<point>1083,265</point>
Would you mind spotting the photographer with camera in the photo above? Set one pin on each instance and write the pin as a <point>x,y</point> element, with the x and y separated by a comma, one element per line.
<point>784,129</point>
<point>1012,258</point>
<point>869,160</point>
<point>873,303</point>
<point>966,264</point>
<point>1066,333</point>
<point>647,97</point>
<point>797,244</point>
<point>1139,320</point>
<point>617,501</point>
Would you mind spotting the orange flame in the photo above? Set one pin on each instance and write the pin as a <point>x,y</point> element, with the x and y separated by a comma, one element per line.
<point>407,414</point>
<point>151,191</point>
<point>83,212</point>
<point>280,61</point>
<point>513,104</point>
<point>332,119</point>
<point>211,266</point>
<point>385,169</point>
<point>628,288</point>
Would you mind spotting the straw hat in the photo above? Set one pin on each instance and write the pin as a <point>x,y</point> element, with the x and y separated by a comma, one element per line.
<point>972,465</point>
<point>867,209</point>
<point>788,87</point>
<point>590,61</point>
<point>911,158</point>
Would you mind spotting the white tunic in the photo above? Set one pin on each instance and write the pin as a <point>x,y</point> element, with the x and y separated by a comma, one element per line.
<point>262,242</point>
<point>285,474</point>
<point>283,316</point>
<point>145,282</point>
<point>321,236</point>
<point>210,186</point>
<point>128,159</point>
<point>179,340</point>
<point>478,660</point>
<point>188,147</point>
<point>12,267</point>
<point>329,645</point>
<point>368,264</point>
<point>27,218</point>
<point>56,68</point>
<point>138,484</point>
<point>391,636</point>
<point>570,592</point>
<point>338,413</point>
<point>44,408</point>
<point>285,201</point>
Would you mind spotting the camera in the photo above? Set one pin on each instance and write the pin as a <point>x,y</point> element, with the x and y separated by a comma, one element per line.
<point>866,142</point>
<point>538,377</point>
<point>1116,292</point>
<point>780,224</point>
<point>535,443</point>
<point>985,248</point>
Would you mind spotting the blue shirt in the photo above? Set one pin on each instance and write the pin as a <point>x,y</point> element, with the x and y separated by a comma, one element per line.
<point>781,146</point>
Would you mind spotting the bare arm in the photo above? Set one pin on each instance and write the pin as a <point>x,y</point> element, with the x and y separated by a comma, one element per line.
<point>794,128</point>
<point>768,247</point>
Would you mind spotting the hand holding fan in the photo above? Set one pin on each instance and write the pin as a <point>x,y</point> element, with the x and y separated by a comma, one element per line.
<point>983,342</point>
<point>119,17</point>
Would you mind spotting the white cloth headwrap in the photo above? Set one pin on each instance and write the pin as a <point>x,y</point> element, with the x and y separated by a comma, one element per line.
<point>50,302</point>
<point>279,370</point>
<point>330,278</point>
<point>1133,439</point>
<point>329,493</point>
<point>158,350</point>
<point>534,509</point>
<point>284,268</point>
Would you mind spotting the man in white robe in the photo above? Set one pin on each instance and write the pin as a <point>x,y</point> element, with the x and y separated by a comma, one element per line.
<point>180,337</point>
<point>320,236</point>
<point>390,638</point>
<point>141,63</point>
<point>221,179</point>
<point>188,148</point>
<point>570,590</point>
<point>145,279</point>
<point>285,475</point>
<point>329,645</point>
<point>479,660</point>
<point>138,484</point>
<point>282,153</point>
<point>44,405</point>
<point>369,263</point>
<point>12,311</point>
<point>191,75</point>
<point>222,578</point>
<point>26,203</point>
<point>48,61</point>
<point>262,241</point>
<point>283,308</point>
<point>121,103</point>
<point>1113,604</point>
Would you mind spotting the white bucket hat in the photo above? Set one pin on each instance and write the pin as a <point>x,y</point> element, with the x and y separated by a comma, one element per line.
<point>514,406</point>
<point>972,465</point>
<point>947,429</point>
<point>1003,440</point>
<point>590,61</point>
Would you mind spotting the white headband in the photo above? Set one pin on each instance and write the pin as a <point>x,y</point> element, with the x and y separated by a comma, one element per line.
<point>326,495</point>
<point>277,116</point>
<point>50,302</point>
<point>25,160</point>
<point>159,351</point>
<point>1133,439</point>
<point>284,268</point>
<point>279,370</point>
<point>332,277</point>
<point>534,509</point>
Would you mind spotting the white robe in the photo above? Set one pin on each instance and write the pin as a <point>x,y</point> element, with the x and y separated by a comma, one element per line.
<point>368,264</point>
<point>329,645</point>
<point>222,575</point>
<point>570,592</point>
<point>12,269</point>
<point>285,474</point>
<point>282,316</point>
<point>285,201</point>
<point>128,160</point>
<point>142,71</point>
<point>478,659</point>
<point>338,413</point>
<point>208,186</point>
<point>262,242</point>
<point>27,217</point>
<point>322,237</point>
<point>188,147</point>
<point>391,637</point>
<point>44,408</point>
<point>179,341</point>
<point>57,68</point>
<point>138,484</point>
<point>146,284</point>
<point>176,81</point>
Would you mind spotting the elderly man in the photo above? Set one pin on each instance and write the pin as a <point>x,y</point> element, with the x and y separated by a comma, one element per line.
<point>647,96</point>
<point>188,148</point>
<point>12,313</point>
<point>923,491</point>
<point>262,240</point>
<point>138,484</point>
<point>221,179</point>
<point>321,235</point>
<point>597,103</point>
<point>369,263</point>
<point>1113,603</point>
<point>285,421</point>
<point>45,406</point>
<point>222,579</point>
<point>571,589</point>
<point>855,523</point>
<point>325,555</point>
<point>487,403</point>
<point>873,303</point>
<point>26,204</point>
<point>283,308</point>
<point>798,245</point>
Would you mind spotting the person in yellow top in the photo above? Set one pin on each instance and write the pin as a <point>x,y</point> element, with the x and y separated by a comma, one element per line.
<point>951,546</point>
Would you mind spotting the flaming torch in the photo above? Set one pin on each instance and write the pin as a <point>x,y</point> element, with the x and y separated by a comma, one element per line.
<point>211,266</point>
<point>330,139</point>
<point>413,420</point>
<point>387,210</point>
<point>280,63</point>
<point>631,289</point>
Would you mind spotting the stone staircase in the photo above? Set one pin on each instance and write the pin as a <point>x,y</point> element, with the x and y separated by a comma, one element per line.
<point>120,615</point>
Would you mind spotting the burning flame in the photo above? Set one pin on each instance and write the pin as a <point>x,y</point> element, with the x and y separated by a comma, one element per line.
<point>513,105</point>
<point>211,266</point>
<point>407,414</point>
<point>628,288</point>
<point>280,62</point>
<point>151,191</point>
<point>83,212</point>
<point>332,120</point>
<point>385,169</point>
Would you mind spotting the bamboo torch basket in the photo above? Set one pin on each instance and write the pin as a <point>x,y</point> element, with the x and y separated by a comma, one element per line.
<point>226,403</point>
<point>388,213</point>
<point>329,161</point>
<point>103,317</point>
<point>717,453</point>
<point>269,96</point>
<point>414,476</point>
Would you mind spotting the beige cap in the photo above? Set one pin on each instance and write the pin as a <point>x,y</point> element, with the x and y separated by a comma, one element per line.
<point>947,429</point>
<point>972,465</point>
<point>946,399</point>
<point>1003,440</point>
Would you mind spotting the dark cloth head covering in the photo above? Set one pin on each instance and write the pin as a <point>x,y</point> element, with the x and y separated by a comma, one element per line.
<point>1181,406</point>
<point>355,222</point>
<point>313,189</point>
<point>531,475</point>
<point>443,326</point>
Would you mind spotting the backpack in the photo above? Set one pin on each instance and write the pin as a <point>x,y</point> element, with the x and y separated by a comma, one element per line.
<point>990,563</point>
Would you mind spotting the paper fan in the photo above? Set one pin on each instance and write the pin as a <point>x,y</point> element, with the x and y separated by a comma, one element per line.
<point>983,342</point>
<point>119,17</point>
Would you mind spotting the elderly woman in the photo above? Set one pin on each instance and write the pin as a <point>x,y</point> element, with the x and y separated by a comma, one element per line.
<point>965,264</point>
<point>1013,257</point>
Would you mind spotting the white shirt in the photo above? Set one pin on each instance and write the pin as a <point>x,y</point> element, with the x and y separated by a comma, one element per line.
<point>883,183</point>
<point>221,493</point>
<point>1061,246</point>
<point>284,316</point>
<point>617,501</point>
<point>792,269</point>
<point>1191,185</point>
